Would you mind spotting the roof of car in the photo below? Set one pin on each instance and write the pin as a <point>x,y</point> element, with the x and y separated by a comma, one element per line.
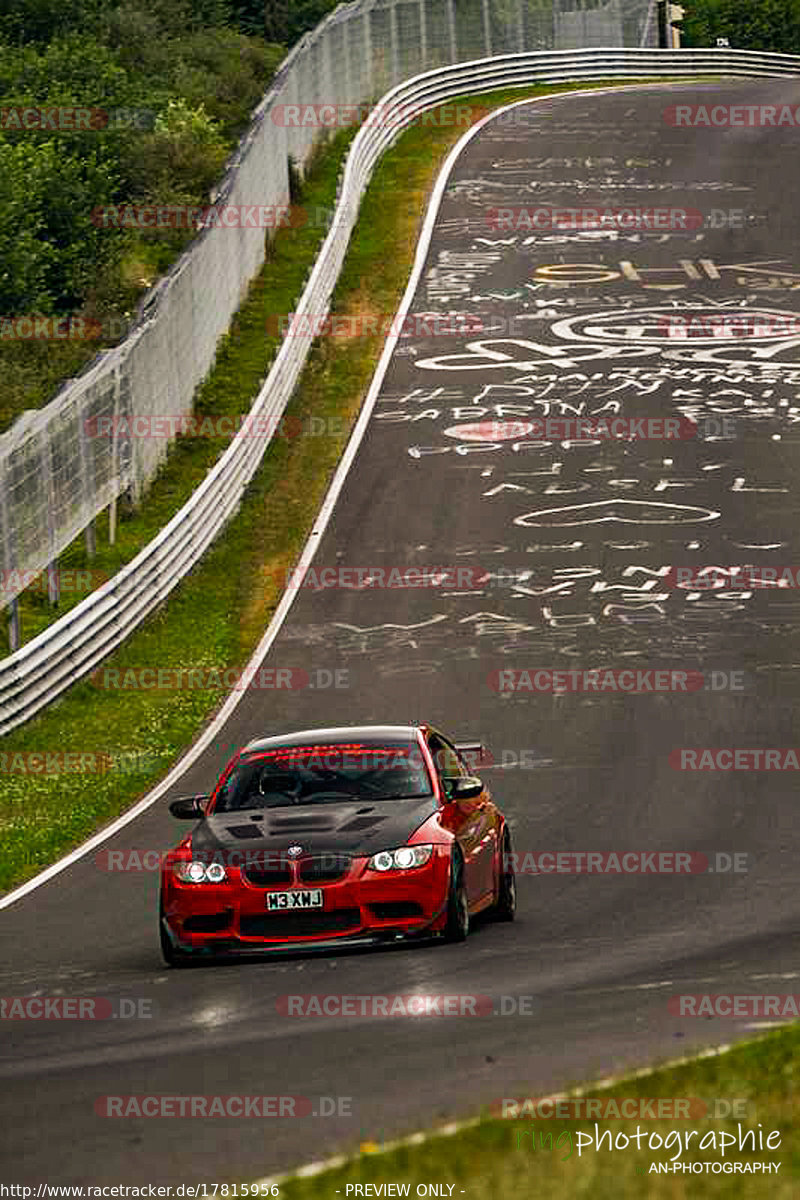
<point>335,736</point>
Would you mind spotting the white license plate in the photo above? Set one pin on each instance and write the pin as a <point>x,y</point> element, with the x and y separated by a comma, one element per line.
<point>283,901</point>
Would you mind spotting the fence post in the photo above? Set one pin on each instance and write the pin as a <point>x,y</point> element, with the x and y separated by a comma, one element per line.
<point>368,54</point>
<point>395,37</point>
<point>87,488</point>
<point>423,34</point>
<point>451,21</point>
<point>8,560</point>
<point>487,29</point>
<point>13,625</point>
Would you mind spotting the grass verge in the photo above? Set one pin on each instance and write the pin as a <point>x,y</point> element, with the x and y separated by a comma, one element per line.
<point>536,1156</point>
<point>216,617</point>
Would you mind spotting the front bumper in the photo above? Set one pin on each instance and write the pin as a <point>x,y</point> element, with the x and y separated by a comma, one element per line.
<point>363,908</point>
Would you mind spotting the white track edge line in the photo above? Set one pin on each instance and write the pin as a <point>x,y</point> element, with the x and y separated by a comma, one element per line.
<point>323,517</point>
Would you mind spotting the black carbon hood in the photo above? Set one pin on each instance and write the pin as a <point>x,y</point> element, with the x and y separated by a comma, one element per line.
<point>352,827</point>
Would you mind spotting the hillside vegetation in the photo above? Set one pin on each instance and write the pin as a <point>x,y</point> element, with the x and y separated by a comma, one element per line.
<point>173,83</point>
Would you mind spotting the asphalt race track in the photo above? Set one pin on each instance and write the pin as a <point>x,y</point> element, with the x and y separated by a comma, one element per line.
<point>568,542</point>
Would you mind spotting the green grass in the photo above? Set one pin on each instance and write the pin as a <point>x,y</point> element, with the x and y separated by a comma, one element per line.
<point>495,1159</point>
<point>217,615</point>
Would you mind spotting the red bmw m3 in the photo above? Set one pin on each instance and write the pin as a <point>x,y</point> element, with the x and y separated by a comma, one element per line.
<point>333,838</point>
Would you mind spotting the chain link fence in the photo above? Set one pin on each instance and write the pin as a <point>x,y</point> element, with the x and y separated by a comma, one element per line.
<point>62,466</point>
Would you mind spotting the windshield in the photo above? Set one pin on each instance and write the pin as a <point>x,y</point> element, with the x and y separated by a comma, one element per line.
<point>320,774</point>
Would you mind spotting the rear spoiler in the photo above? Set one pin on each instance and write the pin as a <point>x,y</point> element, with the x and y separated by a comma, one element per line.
<point>473,753</point>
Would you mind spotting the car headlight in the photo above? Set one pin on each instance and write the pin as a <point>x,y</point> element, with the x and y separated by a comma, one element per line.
<point>402,859</point>
<point>194,871</point>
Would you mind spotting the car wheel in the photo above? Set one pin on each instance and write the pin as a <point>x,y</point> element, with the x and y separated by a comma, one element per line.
<point>171,955</point>
<point>506,907</point>
<point>457,925</point>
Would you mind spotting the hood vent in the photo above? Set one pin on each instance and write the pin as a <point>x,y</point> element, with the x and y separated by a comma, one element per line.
<point>245,831</point>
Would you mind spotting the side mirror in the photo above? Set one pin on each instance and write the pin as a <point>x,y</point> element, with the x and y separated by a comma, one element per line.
<point>187,808</point>
<point>465,788</point>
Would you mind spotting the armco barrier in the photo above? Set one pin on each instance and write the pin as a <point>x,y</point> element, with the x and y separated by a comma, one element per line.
<point>69,649</point>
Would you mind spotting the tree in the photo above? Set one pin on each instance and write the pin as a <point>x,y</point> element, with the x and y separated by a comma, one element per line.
<point>765,25</point>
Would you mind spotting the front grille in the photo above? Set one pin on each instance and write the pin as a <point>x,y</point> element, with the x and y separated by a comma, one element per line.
<point>208,922</point>
<point>266,876</point>
<point>395,909</point>
<point>299,924</point>
<point>323,868</point>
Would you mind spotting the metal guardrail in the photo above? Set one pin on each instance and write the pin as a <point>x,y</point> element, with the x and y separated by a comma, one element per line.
<point>68,650</point>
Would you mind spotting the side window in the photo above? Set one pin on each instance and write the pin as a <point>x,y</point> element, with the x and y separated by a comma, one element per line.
<point>448,764</point>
